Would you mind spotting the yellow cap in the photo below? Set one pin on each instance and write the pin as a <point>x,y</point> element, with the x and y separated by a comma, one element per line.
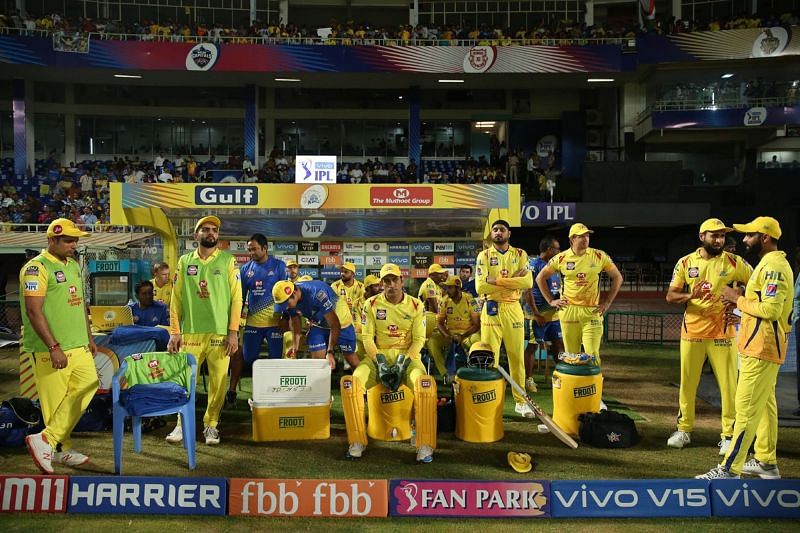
<point>390,269</point>
<point>521,462</point>
<point>481,347</point>
<point>304,278</point>
<point>435,269</point>
<point>64,227</point>
<point>282,290</point>
<point>291,263</point>
<point>578,229</point>
<point>371,279</point>
<point>453,281</point>
<point>210,218</point>
<point>767,225</point>
<point>714,224</point>
<point>348,266</point>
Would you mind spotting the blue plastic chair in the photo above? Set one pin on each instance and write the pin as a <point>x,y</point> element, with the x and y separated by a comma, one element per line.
<point>186,411</point>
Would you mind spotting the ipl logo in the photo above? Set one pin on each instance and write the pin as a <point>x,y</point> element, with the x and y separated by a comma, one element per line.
<point>410,492</point>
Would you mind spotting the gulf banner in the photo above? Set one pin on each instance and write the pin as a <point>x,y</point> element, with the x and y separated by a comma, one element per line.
<point>308,497</point>
<point>469,499</point>
<point>312,197</point>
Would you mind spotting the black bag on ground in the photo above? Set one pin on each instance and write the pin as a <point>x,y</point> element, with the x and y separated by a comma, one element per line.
<point>19,417</point>
<point>608,429</point>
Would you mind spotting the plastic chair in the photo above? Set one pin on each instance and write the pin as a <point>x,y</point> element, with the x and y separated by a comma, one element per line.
<point>120,411</point>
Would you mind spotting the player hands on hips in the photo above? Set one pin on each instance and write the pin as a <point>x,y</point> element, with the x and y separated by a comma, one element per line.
<point>393,332</point>
<point>56,334</point>
<point>766,306</point>
<point>708,328</point>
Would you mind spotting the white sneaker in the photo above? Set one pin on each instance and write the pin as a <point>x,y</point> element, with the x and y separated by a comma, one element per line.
<point>679,439</point>
<point>762,470</point>
<point>530,385</point>
<point>355,450</point>
<point>717,473</point>
<point>211,435</point>
<point>41,451</point>
<point>524,410</point>
<point>70,458</point>
<point>425,454</point>
<point>603,406</point>
<point>724,444</point>
<point>176,435</point>
<point>541,428</point>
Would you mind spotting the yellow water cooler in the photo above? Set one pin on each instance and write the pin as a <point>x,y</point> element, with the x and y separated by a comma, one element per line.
<point>389,416</point>
<point>576,389</point>
<point>479,397</point>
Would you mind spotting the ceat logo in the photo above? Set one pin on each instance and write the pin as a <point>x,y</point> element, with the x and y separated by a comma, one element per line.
<point>401,196</point>
<point>309,497</point>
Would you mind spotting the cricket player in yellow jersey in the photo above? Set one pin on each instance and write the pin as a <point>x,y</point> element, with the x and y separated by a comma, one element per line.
<point>349,289</point>
<point>766,307</point>
<point>56,332</point>
<point>162,283</point>
<point>372,286</point>
<point>697,283</point>
<point>204,317</point>
<point>459,321</point>
<point>580,307</point>
<point>293,269</point>
<point>430,292</point>
<point>501,274</point>
<point>393,331</point>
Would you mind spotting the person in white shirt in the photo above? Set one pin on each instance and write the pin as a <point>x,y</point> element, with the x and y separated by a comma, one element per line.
<point>165,176</point>
<point>159,162</point>
<point>356,174</point>
<point>87,182</point>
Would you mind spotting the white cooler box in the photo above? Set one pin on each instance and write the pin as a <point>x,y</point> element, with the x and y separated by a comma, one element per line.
<point>291,399</point>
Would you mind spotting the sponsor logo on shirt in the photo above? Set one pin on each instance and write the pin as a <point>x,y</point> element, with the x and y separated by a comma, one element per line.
<point>191,270</point>
<point>32,270</point>
<point>31,286</point>
<point>394,331</point>
<point>694,272</point>
<point>570,265</point>
<point>772,290</point>
<point>60,277</point>
<point>493,261</point>
<point>380,314</point>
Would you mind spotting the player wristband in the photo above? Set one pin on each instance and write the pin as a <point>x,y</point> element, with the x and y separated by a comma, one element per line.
<point>53,347</point>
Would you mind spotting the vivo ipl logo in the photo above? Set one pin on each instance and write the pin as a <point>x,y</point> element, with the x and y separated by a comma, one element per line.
<point>222,195</point>
<point>316,169</point>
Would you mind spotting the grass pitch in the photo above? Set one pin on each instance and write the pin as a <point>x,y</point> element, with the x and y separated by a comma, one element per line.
<point>637,376</point>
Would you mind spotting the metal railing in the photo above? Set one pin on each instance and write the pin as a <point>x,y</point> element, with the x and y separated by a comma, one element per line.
<point>42,228</point>
<point>722,103</point>
<point>642,327</point>
<point>626,42</point>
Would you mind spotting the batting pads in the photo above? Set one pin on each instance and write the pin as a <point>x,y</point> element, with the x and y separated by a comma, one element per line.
<point>425,405</point>
<point>353,405</point>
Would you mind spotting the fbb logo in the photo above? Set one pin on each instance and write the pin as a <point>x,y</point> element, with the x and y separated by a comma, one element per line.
<point>36,494</point>
<point>226,195</point>
<point>308,497</point>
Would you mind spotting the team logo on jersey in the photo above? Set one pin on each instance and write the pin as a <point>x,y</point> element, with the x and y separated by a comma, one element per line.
<point>772,290</point>
<point>394,331</point>
<point>60,277</point>
<point>493,261</point>
<point>32,270</point>
<point>321,296</point>
<point>570,265</point>
<point>380,314</point>
<point>191,270</point>
<point>250,274</point>
<point>694,272</point>
<point>217,272</point>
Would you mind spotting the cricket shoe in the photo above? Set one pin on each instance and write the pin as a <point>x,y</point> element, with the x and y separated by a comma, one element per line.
<point>355,450</point>
<point>679,439</point>
<point>524,410</point>
<point>724,444</point>
<point>718,472</point>
<point>755,467</point>
<point>425,454</point>
<point>211,435</point>
<point>530,385</point>
<point>70,458</point>
<point>176,435</point>
<point>41,451</point>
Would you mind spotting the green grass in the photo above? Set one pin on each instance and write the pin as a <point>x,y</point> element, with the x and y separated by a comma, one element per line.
<point>638,377</point>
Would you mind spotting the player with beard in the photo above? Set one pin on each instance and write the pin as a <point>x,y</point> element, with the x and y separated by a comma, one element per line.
<point>707,331</point>
<point>205,312</point>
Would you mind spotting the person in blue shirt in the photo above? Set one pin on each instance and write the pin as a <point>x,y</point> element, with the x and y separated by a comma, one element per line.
<point>258,276</point>
<point>329,318</point>
<point>467,283</point>
<point>146,311</point>
<point>546,327</point>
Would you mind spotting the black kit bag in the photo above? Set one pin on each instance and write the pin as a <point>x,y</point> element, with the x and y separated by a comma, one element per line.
<point>608,429</point>
<point>19,417</point>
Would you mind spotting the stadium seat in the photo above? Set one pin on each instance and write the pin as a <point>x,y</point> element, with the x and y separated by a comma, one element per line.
<point>139,370</point>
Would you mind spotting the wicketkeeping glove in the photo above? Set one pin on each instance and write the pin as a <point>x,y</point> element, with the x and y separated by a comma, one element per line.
<point>385,374</point>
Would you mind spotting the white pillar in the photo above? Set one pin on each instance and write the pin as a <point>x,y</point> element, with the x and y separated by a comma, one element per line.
<point>30,131</point>
<point>253,15</point>
<point>413,13</point>
<point>588,17</point>
<point>754,6</point>
<point>69,124</point>
<point>283,12</point>
<point>676,9</point>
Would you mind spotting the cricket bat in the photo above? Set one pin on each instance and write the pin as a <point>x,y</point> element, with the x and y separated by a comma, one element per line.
<point>540,414</point>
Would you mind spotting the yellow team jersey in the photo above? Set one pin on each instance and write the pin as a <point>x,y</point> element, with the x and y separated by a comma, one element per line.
<point>705,319</point>
<point>352,295</point>
<point>429,289</point>
<point>458,315</point>
<point>162,294</point>
<point>502,266</point>
<point>766,307</point>
<point>400,326</point>
<point>581,274</point>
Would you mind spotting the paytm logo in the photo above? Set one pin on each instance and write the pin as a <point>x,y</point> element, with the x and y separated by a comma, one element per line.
<point>222,195</point>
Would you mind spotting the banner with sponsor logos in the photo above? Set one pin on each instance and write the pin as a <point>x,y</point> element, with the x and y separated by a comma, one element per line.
<point>312,197</point>
<point>33,494</point>
<point>545,213</point>
<point>257,57</point>
<point>308,497</point>
<point>726,118</point>
<point>472,499</point>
